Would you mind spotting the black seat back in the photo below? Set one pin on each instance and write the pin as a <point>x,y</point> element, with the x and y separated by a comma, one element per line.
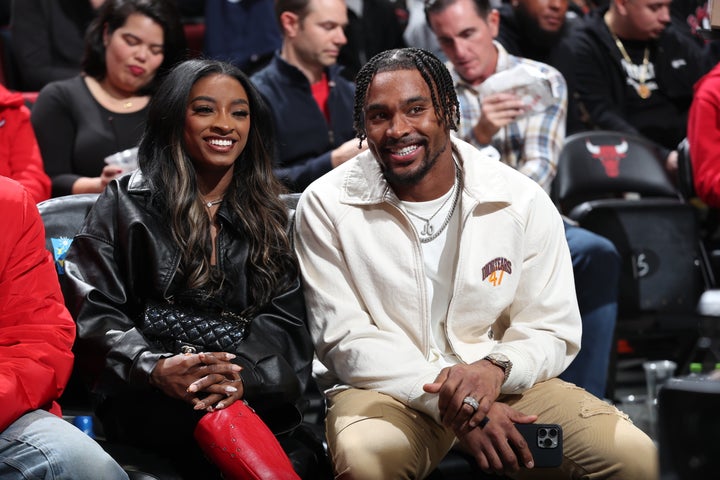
<point>604,164</point>
<point>62,218</point>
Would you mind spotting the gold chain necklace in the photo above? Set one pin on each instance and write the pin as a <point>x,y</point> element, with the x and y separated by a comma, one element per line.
<point>642,89</point>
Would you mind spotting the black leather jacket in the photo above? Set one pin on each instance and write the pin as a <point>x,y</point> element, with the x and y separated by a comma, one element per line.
<point>124,254</point>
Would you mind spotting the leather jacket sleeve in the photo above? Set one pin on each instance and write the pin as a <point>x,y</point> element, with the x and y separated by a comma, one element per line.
<point>278,356</point>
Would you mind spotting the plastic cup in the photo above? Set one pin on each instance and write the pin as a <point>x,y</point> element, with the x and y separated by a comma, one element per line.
<point>657,373</point>
<point>126,159</point>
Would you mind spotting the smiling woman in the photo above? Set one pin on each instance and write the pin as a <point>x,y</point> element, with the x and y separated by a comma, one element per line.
<point>81,121</point>
<point>198,232</point>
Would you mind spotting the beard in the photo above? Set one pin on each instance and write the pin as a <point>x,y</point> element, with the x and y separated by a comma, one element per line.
<point>541,40</point>
<point>412,177</point>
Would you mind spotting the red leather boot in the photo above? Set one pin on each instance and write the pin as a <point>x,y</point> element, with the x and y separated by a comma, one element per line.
<point>242,446</point>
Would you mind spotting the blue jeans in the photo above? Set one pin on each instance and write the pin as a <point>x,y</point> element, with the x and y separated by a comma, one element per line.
<point>40,445</point>
<point>596,265</point>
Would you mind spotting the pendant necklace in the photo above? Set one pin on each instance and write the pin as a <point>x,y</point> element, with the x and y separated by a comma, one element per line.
<point>642,89</point>
<point>212,202</point>
<point>428,232</point>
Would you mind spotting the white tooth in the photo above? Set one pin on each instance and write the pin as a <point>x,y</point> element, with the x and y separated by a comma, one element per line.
<point>221,143</point>
<point>406,150</point>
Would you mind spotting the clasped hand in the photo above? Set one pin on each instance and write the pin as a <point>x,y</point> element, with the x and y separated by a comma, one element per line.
<point>488,433</point>
<point>209,381</point>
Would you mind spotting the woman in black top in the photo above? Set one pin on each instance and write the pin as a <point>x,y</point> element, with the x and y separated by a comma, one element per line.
<point>80,121</point>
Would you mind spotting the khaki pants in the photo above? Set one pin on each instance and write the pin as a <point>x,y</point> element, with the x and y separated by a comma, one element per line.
<point>375,437</point>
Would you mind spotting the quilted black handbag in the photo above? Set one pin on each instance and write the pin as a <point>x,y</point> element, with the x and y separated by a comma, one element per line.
<point>183,328</point>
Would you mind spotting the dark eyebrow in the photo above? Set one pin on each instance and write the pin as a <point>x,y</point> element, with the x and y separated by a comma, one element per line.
<point>405,103</point>
<point>205,98</point>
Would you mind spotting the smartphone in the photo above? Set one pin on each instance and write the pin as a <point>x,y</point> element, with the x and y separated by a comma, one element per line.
<point>545,442</point>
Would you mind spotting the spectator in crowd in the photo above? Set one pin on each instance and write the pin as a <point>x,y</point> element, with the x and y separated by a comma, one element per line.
<point>36,338</point>
<point>635,72</point>
<point>703,134</point>
<point>47,39</point>
<point>417,32</point>
<point>440,300</point>
<point>82,120</point>
<point>19,153</point>
<point>692,17</point>
<point>245,33</point>
<point>531,143</point>
<point>200,225</point>
<point>539,30</point>
<point>373,26</point>
<point>311,101</point>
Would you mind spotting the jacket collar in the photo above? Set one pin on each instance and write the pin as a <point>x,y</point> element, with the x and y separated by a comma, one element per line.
<point>138,184</point>
<point>364,184</point>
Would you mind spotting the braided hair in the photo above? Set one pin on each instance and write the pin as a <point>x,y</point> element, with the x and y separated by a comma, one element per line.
<point>436,76</point>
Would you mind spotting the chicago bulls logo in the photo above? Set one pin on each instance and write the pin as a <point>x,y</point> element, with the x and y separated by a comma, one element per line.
<point>609,156</point>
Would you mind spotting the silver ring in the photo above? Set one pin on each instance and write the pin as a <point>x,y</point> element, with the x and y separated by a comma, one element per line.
<point>472,402</point>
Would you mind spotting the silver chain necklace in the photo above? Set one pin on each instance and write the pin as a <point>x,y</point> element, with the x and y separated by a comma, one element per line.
<point>428,233</point>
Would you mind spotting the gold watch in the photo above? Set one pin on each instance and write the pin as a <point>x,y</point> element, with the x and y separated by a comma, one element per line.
<point>500,360</point>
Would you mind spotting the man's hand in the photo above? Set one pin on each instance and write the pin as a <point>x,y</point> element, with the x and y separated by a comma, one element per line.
<point>206,380</point>
<point>497,110</point>
<point>499,447</point>
<point>480,380</point>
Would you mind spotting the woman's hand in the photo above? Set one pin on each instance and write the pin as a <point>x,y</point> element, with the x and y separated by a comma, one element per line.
<point>96,184</point>
<point>223,388</point>
<point>206,380</point>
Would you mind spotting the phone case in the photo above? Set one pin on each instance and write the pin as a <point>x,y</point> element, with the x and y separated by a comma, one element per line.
<point>545,442</point>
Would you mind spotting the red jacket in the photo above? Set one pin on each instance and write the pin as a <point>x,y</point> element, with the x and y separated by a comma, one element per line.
<point>36,330</point>
<point>703,133</point>
<point>20,157</point>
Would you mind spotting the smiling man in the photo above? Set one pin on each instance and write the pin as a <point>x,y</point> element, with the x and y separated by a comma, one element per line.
<point>440,298</point>
<point>310,100</point>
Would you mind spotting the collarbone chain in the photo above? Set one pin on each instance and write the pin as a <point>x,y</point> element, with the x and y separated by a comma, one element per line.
<point>428,232</point>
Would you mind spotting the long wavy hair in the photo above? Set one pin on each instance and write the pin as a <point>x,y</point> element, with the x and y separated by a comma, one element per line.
<point>253,196</point>
<point>113,14</point>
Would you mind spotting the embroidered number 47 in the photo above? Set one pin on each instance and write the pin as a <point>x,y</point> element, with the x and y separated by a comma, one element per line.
<point>496,278</point>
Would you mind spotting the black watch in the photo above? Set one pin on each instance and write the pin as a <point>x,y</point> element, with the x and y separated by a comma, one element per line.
<point>500,360</point>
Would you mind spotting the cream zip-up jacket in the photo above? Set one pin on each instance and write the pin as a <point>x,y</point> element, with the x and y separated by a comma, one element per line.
<point>365,288</point>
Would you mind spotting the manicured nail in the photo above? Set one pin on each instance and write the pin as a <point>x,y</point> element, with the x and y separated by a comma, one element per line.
<point>230,390</point>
